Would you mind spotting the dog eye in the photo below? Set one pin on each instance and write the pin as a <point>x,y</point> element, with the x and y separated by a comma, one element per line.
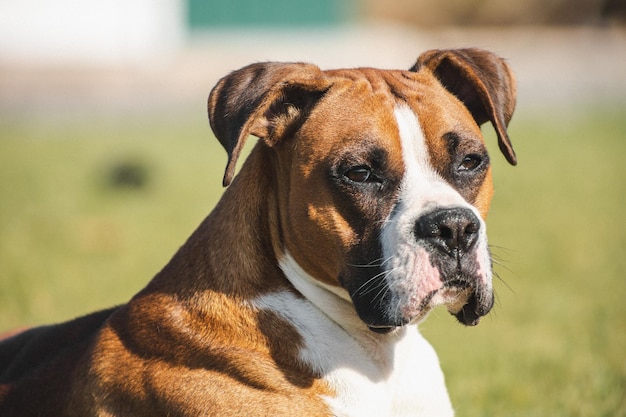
<point>358,174</point>
<point>470,162</point>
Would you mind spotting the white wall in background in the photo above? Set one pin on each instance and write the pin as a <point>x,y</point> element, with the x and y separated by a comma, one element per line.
<point>89,31</point>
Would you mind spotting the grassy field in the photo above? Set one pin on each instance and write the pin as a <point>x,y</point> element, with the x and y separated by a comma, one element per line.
<point>89,211</point>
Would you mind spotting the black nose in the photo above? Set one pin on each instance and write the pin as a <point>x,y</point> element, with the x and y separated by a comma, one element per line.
<point>450,229</point>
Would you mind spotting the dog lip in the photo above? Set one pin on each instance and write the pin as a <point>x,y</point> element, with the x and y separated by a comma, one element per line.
<point>452,292</point>
<point>463,300</point>
<point>381,329</point>
<point>474,308</point>
<point>468,315</point>
<point>457,283</point>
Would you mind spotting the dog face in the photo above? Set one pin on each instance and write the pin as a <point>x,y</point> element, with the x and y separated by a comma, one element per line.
<point>383,177</point>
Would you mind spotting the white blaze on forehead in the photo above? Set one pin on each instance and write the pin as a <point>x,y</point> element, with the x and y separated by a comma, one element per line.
<point>414,150</point>
<point>422,186</point>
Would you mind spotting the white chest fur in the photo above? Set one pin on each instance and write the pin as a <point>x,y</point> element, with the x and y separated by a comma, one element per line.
<point>396,374</point>
<point>406,381</point>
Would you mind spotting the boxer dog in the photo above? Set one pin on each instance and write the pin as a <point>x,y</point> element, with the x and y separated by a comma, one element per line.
<point>360,209</point>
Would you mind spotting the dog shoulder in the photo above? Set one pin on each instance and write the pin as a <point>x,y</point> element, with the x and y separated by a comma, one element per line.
<point>47,357</point>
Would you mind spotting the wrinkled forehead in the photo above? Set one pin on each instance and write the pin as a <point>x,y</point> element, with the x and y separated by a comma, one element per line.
<point>361,107</point>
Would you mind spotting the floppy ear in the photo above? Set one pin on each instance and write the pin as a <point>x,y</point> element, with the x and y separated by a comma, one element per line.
<point>266,100</point>
<point>482,81</point>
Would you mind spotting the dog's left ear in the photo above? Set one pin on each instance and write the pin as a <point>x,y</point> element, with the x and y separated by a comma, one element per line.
<point>482,81</point>
<point>266,100</point>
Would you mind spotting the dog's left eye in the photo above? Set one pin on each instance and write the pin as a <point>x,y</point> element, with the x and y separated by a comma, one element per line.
<point>358,174</point>
<point>470,162</point>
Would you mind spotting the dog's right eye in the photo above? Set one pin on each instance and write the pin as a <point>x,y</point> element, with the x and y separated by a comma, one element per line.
<point>358,174</point>
<point>470,162</point>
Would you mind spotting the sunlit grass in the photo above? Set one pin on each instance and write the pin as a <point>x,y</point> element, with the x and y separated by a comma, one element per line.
<point>73,239</point>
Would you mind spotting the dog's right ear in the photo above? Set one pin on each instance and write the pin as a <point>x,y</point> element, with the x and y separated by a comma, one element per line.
<point>265,100</point>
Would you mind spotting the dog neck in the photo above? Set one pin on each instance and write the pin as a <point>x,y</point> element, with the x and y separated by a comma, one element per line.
<point>231,252</point>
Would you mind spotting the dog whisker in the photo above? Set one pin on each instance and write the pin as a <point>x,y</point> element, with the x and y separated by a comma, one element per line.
<point>380,296</point>
<point>368,286</point>
<point>506,284</point>
<point>372,264</point>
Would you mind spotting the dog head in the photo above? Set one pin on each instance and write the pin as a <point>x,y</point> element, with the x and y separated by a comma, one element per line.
<point>382,178</point>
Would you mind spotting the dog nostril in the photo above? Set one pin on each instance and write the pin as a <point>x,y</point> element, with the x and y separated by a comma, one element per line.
<point>471,229</point>
<point>449,229</point>
<point>446,233</point>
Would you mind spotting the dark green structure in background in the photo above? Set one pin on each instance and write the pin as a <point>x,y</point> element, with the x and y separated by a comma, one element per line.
<point>205,14</point>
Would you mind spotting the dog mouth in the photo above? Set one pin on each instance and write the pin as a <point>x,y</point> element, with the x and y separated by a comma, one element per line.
<point>477,306</point>
<point>460,299</point>
<point>406,295</point>
<point>465,301</point>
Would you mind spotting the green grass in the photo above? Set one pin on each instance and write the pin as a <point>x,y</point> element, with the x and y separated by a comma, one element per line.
<point>70,243</point>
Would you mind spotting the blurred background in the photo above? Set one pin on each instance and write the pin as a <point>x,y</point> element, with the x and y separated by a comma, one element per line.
<point>107,164</point>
